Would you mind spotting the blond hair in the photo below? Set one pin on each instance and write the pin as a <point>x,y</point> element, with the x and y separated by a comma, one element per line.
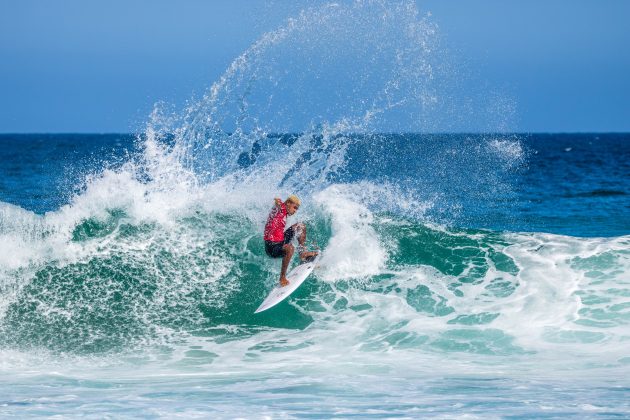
<point>294,199</point>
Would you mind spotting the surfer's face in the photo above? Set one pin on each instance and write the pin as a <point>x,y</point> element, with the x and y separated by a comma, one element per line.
<point>292,207</point>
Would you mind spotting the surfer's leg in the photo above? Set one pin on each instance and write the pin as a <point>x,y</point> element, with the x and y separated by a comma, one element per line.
<point>289,234</point>
<point>296,230</point>
<point>288,254</point>
<point>300,229</point>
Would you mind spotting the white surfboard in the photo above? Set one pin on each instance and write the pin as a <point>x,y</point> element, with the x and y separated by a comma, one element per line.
<point>296,277</point>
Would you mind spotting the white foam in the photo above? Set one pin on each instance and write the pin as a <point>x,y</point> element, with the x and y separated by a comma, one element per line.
<point>354,250</point>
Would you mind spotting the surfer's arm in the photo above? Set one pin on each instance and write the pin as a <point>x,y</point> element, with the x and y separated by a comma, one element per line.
<point>276,208</point>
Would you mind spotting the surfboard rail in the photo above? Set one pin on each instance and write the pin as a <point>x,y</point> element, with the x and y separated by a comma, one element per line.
<point>295,277</point>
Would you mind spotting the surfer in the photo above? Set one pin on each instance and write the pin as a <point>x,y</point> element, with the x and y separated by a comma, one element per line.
<point>278,241</point>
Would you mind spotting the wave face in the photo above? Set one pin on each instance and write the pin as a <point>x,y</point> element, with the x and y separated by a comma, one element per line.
<point>127,277</point>
<point>157,261</point>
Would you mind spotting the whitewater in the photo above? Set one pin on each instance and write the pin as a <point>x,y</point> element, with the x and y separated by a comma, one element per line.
<point>444,290</point>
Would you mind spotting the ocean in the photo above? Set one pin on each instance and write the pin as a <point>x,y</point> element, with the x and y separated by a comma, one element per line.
<point>128,290</point>
<point>482,275</point>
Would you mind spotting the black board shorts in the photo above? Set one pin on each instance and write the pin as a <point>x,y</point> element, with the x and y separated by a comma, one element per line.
<point>274,249</point>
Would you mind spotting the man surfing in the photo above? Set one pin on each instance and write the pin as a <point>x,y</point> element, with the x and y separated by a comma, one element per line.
<point>278,241</point>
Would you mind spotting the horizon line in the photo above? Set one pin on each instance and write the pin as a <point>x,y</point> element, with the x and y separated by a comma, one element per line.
<point>130,133</point>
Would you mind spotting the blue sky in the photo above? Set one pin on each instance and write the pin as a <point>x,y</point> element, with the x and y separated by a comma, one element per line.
<point>76,66</point>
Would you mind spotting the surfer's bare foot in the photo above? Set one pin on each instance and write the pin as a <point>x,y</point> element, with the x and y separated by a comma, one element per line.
<point>284,281</point>
<point>308,254</point>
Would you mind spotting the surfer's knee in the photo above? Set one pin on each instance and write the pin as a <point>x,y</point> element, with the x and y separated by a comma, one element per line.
<point>300,228</point>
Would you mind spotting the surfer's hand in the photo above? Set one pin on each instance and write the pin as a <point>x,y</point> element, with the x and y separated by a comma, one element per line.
<point>278,201</point>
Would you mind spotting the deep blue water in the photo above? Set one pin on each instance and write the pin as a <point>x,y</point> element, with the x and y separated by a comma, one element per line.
<point>573,184</point>
<point>40,172</point>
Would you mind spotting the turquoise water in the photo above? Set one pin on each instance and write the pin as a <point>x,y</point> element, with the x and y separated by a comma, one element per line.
<point>480,276</point>
<point>137,299</point>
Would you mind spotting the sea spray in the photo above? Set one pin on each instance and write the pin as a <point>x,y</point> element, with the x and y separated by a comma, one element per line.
<point>169,240</point>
